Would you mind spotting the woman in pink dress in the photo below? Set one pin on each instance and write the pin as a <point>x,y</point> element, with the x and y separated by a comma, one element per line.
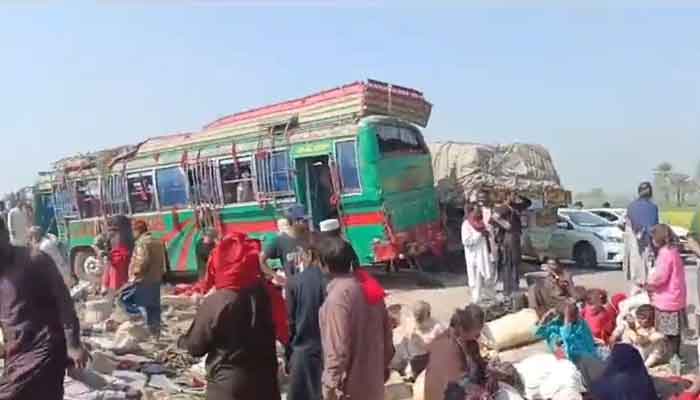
<point>121,246</point>
<point>667,287</point>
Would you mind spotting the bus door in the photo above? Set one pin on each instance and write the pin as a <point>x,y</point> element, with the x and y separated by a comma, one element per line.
<point>317,184</point>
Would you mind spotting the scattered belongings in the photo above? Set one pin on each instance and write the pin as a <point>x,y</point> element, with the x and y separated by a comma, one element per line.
<point>511,330</point>
<point>397,389</point>
<point>97,311</point>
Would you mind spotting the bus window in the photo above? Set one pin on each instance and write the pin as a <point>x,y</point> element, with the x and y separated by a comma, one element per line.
<point>141,192</point>
<point>399,140</point>
<point>204,184</point>
<point>172,187</point>
<point>65,202</point>
<point>114,194</point>
<point>272,173</point>
<point>279,167</point>
<point>346,152</point>
<point>237,181</point>
<point>88,198</point>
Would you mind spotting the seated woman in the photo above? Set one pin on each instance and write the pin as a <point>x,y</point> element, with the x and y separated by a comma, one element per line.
<point>643,335</point>
<point>624,377</point>
<point>455,354</point>
<point>456,369</point>
<point>568,337</point>
<point>553,291</point>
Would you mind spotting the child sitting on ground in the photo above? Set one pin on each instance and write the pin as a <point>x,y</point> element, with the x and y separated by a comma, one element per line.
<point>645,338</point>
<point>568,337</point>
<point>420,332</point>
<point>600,318</point>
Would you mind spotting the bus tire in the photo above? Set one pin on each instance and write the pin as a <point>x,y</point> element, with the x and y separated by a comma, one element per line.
<point>79,266</point>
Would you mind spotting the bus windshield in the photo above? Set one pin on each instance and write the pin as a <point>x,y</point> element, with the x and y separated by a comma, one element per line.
<point>395,140</point>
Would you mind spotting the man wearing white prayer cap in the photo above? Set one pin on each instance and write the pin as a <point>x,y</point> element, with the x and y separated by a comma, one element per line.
<point>330,226</point>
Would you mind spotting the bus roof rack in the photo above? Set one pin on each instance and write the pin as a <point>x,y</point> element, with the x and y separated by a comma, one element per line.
<point>366,98</point>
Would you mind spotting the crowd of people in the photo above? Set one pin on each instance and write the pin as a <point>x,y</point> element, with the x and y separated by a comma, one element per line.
<point>331,318</point>
<point>584,325</point>
<point>41,329</point>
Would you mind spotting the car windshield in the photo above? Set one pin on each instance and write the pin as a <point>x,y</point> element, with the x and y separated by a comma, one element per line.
<point>610,216</point>
<point>584,218</point>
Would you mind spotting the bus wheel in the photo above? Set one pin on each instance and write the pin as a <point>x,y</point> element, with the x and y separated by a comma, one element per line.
<point>87,267</point>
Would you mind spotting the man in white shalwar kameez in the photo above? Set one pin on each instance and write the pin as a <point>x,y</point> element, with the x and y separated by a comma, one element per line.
<point>480,269</point>
<point>18,224</point>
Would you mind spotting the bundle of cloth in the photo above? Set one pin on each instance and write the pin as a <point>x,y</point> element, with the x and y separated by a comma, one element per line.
<point>548,377</point>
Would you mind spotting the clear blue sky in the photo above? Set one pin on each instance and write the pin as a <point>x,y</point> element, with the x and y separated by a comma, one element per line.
<point>610,92</point>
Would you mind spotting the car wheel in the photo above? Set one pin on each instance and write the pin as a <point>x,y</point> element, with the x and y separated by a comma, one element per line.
<point>585,256</point>
<point>87,267</point>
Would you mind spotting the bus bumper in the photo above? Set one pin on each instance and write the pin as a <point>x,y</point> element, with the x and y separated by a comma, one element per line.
<point>420,240</point>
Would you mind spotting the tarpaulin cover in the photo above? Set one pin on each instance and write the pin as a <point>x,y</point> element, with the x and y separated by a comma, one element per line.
<point>462,168</point>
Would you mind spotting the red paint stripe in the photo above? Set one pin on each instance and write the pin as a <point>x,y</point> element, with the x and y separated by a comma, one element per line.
<point>178,229</point>
<point>370,218</point>
<point>250,227</point>
<point>185,252</point>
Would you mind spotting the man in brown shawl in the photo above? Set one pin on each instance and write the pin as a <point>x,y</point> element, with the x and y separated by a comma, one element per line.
<point>355,330</point>
<point>39,323</point>
<point>553,291</point>
<point>455,354</point>
<point>507,224</point>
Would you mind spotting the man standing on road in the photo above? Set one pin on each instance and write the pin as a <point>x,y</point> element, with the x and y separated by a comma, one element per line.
<point>38,320</point>
<point>306,292</point>
<point>694,246</point>
<point>18,224</point>
<point>508,230</point>
<point>642,215</point>
<point>287,246</point>
<point>48,244</point>
<point>148,264</point>
<point>483,200</point>
<point>355,330</point>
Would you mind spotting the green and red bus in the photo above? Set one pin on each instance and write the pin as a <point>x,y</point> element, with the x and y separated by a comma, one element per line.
<point>355,153</point>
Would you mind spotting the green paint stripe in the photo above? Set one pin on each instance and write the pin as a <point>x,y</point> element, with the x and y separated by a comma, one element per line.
<point>176,246</point>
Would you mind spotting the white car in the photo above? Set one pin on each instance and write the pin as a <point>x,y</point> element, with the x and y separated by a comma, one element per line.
<point>581,236</point>
<point>617,216</point>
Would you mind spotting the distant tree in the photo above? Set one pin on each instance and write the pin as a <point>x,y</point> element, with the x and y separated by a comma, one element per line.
<point>662,180</point>
<point>697,173</point>
<point>665,167</point>
<point>682,185</point>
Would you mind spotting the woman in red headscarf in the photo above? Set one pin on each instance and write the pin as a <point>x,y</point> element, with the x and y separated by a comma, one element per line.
<point>236,325</point>
<point>121,239</point>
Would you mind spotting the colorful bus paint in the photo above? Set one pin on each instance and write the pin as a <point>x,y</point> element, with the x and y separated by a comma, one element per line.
<point>374,173</point>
